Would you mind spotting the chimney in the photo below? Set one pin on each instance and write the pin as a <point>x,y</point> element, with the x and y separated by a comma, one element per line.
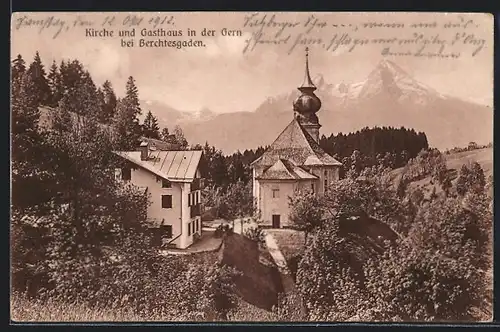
<point>144,150</point>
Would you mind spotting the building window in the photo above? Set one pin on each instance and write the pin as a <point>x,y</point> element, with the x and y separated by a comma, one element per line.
<point>126,174</point>
<point>312,187</point>
<point>189,229</point>
<point>326,184</point>
<point>276,193</point>
<point>166,184</point>
<point>166,201</point>
<point>166,230</point>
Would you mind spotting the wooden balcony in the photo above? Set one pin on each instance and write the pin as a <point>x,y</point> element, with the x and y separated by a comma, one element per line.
<point>197,184</point>
<point>195,210</point>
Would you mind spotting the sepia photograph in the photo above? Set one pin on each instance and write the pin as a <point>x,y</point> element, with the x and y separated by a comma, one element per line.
<point>251,167</point>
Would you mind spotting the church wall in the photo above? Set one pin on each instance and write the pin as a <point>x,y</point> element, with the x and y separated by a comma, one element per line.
<point>256,189</point>
<point>331,175</point>
<point>270,205</point>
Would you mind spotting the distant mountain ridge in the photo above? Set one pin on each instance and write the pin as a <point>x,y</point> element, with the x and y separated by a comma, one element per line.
<point>389,96</point>
<point>170,116</point>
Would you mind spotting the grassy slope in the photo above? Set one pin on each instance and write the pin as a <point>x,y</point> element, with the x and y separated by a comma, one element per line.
<point>454,161</point>
<point>24,310</point>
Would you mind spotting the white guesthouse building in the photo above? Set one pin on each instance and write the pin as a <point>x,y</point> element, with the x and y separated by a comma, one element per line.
<point>172,180</point>
<point>294,161</point>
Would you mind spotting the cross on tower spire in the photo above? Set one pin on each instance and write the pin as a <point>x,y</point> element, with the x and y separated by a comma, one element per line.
<point>307,84</point>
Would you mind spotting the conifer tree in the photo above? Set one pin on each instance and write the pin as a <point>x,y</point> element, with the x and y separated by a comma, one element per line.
<point>55,84</point>
<point>18,68</point>
<point>25,113</point>
<point>38,75</point>
<point>72,74</point>
<point>132,97</point>
<point>150,126</point>
<point>87,97</point>
<point>26,175</point>
<point>80,91</point>
<point>102,116</point>
<point>109,101</point>
<point>126,127</point>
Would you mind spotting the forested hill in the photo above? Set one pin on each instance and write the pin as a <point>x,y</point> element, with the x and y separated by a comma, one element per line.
<point>395,145</point>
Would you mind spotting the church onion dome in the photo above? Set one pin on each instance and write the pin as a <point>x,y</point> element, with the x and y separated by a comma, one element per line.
<point>307,102</point>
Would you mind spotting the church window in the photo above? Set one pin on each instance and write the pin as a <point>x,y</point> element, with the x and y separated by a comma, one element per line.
<point>326,184</point>
<point>276,193</point>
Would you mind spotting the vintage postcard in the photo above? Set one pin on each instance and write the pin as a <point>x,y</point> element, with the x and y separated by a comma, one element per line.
<point>251,166</point>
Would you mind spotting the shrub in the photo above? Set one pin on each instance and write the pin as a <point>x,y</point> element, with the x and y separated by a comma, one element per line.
<point>424,285</point>
<point>256,234</point>
<point>219,231</point>
<point>289,308</point>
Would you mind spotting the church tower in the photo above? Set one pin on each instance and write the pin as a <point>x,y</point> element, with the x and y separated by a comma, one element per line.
<point>308,104</point>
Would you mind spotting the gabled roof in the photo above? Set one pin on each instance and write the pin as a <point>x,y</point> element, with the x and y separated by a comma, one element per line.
<point>285,170</point>
<point>295,144</point>
<point>175,166</point>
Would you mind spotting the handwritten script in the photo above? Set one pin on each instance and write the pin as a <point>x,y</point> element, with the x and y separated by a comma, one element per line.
<point>452,37</point>
<point>56,25</point>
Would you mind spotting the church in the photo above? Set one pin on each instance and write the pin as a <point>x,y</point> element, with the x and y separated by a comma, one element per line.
<point>294,161</point>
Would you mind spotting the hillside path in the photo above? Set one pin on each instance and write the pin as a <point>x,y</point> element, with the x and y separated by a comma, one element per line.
<point>271,244</point>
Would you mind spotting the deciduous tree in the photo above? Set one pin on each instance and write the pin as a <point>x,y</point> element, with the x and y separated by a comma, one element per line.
<point>306,212</point>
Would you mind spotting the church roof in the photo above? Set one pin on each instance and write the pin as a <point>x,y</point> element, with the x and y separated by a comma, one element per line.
<point>285,170</point>
<point>297,146</point>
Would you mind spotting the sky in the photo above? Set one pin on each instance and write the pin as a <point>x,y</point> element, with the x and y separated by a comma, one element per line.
<point>223,78</point>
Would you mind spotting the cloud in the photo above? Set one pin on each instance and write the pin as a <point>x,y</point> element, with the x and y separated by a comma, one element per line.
<point>226,45</point>
<point>103,59</point>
